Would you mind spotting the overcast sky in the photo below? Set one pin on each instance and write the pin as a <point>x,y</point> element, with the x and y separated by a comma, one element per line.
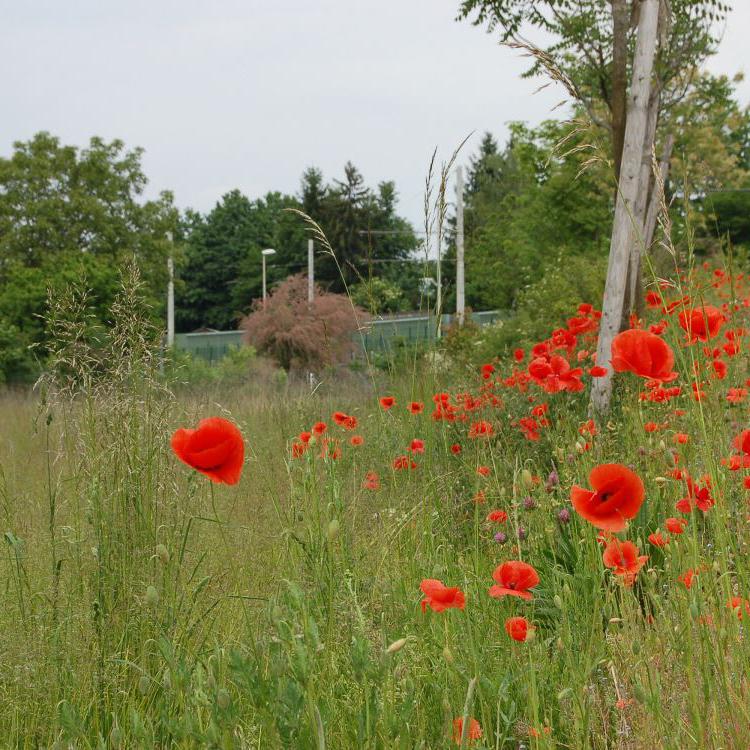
<point>246,94</point>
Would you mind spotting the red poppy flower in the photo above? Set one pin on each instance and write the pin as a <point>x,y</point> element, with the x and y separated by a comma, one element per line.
<point>518,628</point>
<point>686,579</point>
<point>356,440</point>
<point>455,449</point>
<point>403,462</point>
<point>319,428</point>
<point>305,437</point>
<point>474,733</point>
<point>653,299</point>
<point>616,498</point>
<point>372,481</point>
<point>701,323</point>
<point>644,354</point>
<point>698,496</point>
<point>624,560</point>
<point>742,442</point>
<point>487,371</point>
<point>736,395</point>
<point>738,604</point>
<point>658,539</point>
<point>497,516</point>
<point>484,471</point>
<point>387,402</point>
<point>597,371</point>
<point>675,525</point>
<point>514,578</point>
<point>518,354</point>
<point>417,446</point>
<point>215,448</point>
<point>344,420</point>
<point>416,407</point>
<point>439,597</point>
<point>481,429</point>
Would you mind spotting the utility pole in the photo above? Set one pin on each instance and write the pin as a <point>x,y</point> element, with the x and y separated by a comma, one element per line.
<point>439,295</point>
<point>263,255</point>
<point>170,296</point>
<point>310,273</point>
<point>460,293</point>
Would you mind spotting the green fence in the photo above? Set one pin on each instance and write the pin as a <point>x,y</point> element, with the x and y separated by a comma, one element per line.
<point>380,335</point>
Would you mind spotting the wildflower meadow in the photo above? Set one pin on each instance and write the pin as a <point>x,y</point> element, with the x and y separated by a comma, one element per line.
<point>414,562</point>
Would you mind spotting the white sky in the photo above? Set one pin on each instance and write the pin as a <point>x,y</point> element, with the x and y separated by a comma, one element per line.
<point>246,94</point>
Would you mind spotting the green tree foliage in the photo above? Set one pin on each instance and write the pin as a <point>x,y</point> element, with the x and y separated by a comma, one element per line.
<point>590,45</point>
<point>70,214</point>
<point>222,271</point>
<point>367,235</point>
<point>222,266</point>
<point>524,205</point>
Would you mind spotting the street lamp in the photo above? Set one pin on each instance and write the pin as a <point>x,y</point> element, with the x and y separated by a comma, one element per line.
<point>264,253</point>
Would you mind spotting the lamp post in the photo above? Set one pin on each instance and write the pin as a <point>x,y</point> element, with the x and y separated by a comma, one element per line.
<point>264,254</point>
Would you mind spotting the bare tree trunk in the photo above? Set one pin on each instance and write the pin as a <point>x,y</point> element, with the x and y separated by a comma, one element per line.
<point>619,93</point>
<point>645,183</point>
<point>624,228</point>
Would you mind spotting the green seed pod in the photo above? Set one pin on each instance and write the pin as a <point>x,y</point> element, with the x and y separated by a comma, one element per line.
<point>152,596</point>
<point>396,646</point>
<point>144,683</point>
<point>639,693</point>
<point>115,737</point>
<point>526,479</point>
<point>564,693</point>
<point>695,611</point>
<point>162,553</point>
<point>223,699</point>
<point>333,529</point>
<point>558,601</point>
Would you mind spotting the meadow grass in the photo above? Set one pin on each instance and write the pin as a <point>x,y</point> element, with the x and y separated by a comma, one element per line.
<point>145,607</point>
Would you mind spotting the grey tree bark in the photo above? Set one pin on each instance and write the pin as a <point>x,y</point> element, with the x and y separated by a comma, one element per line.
<point>624,229</point>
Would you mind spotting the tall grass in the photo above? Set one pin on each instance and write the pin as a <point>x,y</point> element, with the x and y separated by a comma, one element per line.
<point>144,607</point>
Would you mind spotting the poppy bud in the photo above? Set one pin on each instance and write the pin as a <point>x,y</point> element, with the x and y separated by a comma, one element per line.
<point>558,601</point>
<point>526,478</point>
<point>223,699</point>
<point>695,610</point>
<point>333,529</point>
<point>152,596</point>
<point>564,693</point>
<point>636,647</point>
<point>166,680</point>
<point>448,655</point>
<point>115,737</point>
<point>560,644</point>
<point>662,445</point>
<point>396,646</point>
<point>144,683</point>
